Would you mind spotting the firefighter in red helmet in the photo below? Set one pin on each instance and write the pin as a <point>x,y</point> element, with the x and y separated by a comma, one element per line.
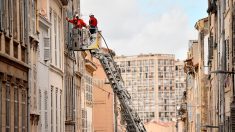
<point>77,22</point>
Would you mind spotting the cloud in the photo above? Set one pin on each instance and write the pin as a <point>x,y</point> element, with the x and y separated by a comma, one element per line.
<point>129,30</point>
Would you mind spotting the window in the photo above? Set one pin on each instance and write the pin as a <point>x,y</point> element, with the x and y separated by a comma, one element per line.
<point>59,40</point>
<point>84,120</point>
<point>15,49</point>
<point>23,54</point>
<point>55,37</point>
<point>128,63</point>
<point>21,18</point>
<point>40,101</point>
<point>69,98</point>
<point>227,54</point>
<point>47,49</point>
<point>50,15</point>
<point>61,110</point>
<point>56,113</point>
<point>45,107</point>
<point>15,19</point>
<point>9,15</point>
<point>7,46</point>
<point>33,15</point>
<point>52,108</point>
<point>16,108</point>
<point>24,111</point>
<point>88,88</point>
<point>8,114</point>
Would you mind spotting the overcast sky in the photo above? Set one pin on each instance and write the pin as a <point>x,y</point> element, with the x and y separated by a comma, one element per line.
<point>132,27</point>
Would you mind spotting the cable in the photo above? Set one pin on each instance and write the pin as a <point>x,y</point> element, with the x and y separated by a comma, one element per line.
<point>106,44</point>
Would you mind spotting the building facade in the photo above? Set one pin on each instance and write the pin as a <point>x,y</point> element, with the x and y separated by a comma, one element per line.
<point>150,80</point>
<point>103,101</point>
<point>196,104</point>
<point>221,65</point>
<point>180,81</point>
<point>14,66</point>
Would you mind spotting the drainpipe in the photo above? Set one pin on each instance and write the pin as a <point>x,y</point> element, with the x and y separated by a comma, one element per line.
<point>218,121</point>
<point>222,65</point>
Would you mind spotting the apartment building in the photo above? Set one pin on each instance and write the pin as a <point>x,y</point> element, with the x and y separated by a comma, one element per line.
<point>180,81</point>
<point>196,104</point>
<point>150,80</point>
<point>87,93</point>
<point>14,66</point>
<point>56,82</point>
<point>221,65</point>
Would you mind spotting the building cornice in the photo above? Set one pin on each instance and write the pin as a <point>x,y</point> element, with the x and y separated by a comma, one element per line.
<point>56,70</point>
<point>43,22</point>
<point>14,62</point>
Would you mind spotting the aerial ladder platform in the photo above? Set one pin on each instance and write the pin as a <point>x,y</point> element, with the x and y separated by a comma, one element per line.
<point>85,41</point>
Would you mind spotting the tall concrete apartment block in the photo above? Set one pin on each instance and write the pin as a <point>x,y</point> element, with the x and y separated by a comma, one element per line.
<point>180,81</point>
<point>150,80</point>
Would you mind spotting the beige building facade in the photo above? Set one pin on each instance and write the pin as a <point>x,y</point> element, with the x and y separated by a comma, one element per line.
<point>154,126</point>
<point>103,101</point>
<point>150,80</point>
<point>14,66</point>
<point>196,104</point>
<point>221,65</point>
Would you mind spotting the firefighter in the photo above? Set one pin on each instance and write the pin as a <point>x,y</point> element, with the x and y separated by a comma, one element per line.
<point>92,24</point>
<point>77,22</point>
<point>77,29</point>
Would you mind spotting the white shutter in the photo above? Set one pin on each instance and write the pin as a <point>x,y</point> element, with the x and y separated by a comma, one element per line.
<point>46,49</point>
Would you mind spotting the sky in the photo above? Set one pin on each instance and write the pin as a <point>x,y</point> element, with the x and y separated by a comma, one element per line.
<point>132,27</point>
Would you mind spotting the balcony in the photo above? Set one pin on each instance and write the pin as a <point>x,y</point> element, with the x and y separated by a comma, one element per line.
<point>90,65</point>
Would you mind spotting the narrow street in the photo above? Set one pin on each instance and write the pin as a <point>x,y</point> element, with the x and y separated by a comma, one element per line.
<point>117,66</point>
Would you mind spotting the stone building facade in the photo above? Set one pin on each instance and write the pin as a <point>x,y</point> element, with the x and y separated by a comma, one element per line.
<point>221,65</point>
<point>14,66</point>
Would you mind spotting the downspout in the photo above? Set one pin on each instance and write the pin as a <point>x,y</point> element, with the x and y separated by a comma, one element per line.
<point>223,65</point>
<point>218,65</point>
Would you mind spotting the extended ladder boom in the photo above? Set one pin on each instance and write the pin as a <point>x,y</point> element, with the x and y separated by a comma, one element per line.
<point>132,119</point>
<point>82,43</point>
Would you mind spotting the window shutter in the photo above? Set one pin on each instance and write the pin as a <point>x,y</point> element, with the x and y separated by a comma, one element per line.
<point>210,48</point>
<point>46,49</point>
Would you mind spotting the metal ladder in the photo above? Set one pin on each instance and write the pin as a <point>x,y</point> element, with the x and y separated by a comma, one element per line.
<point>133,122</point>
